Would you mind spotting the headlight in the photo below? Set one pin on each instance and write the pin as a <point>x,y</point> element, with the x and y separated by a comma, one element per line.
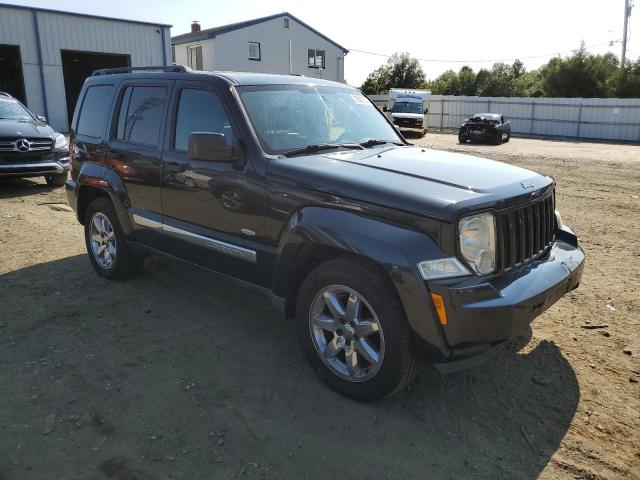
<point>442,268</point>
<point>61,142</point>
<point>478,242</point>
<point>559,219</point>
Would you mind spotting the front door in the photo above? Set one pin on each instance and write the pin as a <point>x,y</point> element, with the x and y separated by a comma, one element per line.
<point>213,212</point>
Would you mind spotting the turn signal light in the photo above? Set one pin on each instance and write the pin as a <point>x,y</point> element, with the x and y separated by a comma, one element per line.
<point>438,303</point>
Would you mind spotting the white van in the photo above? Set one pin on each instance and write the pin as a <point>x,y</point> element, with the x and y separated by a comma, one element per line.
<point>409,109</point>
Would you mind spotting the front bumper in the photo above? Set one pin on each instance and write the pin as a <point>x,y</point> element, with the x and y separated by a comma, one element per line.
<point>35,168</point>
<point>485,311</point>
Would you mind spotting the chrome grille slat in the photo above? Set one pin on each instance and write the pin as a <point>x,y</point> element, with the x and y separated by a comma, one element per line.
<point>525,232</point>
<point>35,145</point>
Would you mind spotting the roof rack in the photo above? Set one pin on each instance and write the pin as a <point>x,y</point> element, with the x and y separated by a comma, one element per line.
<point>161,68</point>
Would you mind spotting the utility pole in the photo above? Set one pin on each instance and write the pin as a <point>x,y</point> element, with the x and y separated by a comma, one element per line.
<point>627,14</point>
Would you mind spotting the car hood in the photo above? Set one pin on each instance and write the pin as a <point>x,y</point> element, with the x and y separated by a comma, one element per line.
<point>25,128</point>
<point>426,182</point>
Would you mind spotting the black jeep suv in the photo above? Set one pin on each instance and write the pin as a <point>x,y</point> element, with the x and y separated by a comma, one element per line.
<point>378,249</point>
<point>28,146</point>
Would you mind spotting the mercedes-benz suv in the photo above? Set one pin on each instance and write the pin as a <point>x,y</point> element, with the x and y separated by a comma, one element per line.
<point>377,249</point>
<point>28,146</point>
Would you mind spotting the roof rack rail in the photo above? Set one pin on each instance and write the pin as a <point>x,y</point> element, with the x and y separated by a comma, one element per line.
<point>161,68</point>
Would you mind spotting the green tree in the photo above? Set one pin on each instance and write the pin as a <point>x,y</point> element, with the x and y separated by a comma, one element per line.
<point>580,75</point>
<point>626,81</point>
<point>400,71</point>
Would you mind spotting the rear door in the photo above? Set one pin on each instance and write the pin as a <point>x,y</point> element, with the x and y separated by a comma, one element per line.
<point>89,126</point>
<point>135,149</point>
<point>213,212</point>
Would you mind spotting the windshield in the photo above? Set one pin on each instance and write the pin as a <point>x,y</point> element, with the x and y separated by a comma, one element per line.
<point>287,117</point>
<point>10,109</point>
<point>407,107</point>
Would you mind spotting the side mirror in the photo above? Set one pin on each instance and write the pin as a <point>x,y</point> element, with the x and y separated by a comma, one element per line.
<point>384,108</point>
<point>42,118</point>
<point>209,147</point>
<point>426,110</point>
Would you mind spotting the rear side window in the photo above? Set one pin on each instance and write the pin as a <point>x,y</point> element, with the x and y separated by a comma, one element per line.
<point>200,111</point>
<point>141,114</point>
<point>95,111</point>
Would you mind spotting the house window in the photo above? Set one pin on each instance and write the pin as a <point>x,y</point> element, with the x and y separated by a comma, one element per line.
<point>254,51</point>
<point>286,23</point>
<point>194,57</point>
<point>316,58</point>
<point>173,55</point>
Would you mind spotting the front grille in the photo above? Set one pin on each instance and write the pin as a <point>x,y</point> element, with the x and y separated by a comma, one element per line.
<point>34,145</point>
<point>524,233</point>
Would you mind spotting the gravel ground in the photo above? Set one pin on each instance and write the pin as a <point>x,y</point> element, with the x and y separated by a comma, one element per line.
<point>178,373</point>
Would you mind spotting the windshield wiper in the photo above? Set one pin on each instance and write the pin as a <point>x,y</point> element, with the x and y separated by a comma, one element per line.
<point>316,147</point>
<point>372,142</point>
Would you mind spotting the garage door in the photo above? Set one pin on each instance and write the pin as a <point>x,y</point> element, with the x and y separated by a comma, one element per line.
<point>76,66</point>
<point>11,80</point>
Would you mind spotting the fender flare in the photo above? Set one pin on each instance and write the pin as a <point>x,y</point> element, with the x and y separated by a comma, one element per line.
<point>396,249</point>
<point>99,177</point>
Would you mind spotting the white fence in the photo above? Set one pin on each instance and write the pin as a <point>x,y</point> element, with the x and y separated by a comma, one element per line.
<point>588,118</point>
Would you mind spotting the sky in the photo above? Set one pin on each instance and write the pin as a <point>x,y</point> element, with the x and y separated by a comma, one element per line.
<point>455,33</point>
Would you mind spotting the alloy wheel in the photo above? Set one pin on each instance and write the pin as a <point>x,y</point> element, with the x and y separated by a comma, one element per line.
<point>103,240</point>
<point>346,333</point>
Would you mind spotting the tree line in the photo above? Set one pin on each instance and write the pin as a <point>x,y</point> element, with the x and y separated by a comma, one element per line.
<point>581,74</point>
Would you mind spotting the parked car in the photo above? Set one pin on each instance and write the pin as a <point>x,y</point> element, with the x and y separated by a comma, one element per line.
<point>28,146</point>
<point>485,127</point>
<point>378,249</point>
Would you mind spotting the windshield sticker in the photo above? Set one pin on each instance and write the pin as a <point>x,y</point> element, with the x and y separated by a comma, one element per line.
<point>361,100</point>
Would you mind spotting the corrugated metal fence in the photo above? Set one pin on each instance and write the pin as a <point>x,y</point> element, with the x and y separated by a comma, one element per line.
<point>588,118</point>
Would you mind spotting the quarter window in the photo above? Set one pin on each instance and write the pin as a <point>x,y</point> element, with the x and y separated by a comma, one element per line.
<point>316,58</point>
<point>95,111</point>
<point>141,114</point>
<point>200,111</point>
<point>254,51</point>
<point>194,57</point>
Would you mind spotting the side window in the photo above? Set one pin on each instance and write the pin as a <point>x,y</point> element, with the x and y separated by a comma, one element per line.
<point>200,111</point>
<point>254,51</point>
<point>316,58</point>
<point>141,114</point>
<point>95,111</point>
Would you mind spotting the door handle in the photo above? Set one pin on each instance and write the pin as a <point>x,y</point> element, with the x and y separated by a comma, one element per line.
<point>174,167</point>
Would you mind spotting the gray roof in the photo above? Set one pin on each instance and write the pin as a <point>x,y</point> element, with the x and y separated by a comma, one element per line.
<point>85,15</point>
<point>213,32</point>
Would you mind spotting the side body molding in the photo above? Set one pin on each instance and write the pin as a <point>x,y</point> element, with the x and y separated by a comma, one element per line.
<point>395,249</point>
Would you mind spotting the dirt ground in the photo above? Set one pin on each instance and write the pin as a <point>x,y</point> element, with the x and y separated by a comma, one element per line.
<point>177,373</point>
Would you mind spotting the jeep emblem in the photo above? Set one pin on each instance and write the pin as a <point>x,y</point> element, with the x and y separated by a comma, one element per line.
<point>526,185</point>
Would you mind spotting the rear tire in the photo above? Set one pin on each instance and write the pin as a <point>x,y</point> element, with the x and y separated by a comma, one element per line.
<point>105,241</point>
<point>56,180</point>
<point>506,140</point>
<point>360,347</point>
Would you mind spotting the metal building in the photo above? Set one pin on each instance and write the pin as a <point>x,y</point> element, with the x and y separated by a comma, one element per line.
<point>45,55</point>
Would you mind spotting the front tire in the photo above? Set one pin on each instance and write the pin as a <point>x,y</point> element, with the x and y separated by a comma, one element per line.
<point>56,180</point>
<point>462,138</point>
<point>354,331</point>
<point>105,241</point>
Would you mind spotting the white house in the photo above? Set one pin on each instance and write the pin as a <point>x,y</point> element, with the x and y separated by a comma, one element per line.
<point>45,55</point>
<point>278,43</point>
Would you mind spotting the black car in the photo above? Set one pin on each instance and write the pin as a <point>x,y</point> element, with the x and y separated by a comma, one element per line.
<point>28,146</point>
<point>377,249</point>
<point>485,127</point>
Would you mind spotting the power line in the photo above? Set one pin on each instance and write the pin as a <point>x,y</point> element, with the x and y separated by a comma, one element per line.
<point>481,61</point>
